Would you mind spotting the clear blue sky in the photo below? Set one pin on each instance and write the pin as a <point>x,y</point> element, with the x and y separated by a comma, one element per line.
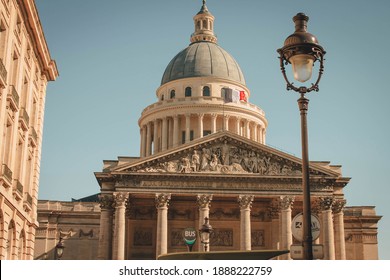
<point>111,56</point>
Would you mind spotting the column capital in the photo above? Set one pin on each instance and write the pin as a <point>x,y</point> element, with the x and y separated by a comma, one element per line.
<point>245,201</point>
<point>226,117</point>
<point>106,202</point>
<point>286,202</point>
<point>326,203</point>
<point>213,115</point>
<point>204,200</point>
<point>200,115</point>
<point>338,205</point>
<point>162,200</point>
<point>120,198</point>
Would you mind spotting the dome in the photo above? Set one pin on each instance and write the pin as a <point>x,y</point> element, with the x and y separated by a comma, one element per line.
<point>203,59</point>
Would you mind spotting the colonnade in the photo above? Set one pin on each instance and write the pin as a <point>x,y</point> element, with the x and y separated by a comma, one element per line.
<point>163,133</point>
<point>112,242</point>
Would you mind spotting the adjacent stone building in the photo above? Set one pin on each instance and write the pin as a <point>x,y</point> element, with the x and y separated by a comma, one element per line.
<point>25,69</point>
<point>203,153</point>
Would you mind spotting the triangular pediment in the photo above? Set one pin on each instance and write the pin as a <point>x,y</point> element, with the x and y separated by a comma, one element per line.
<point>223,153</point>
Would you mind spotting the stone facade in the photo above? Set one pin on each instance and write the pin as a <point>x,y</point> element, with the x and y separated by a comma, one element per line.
<point>203,154</point>
<point>25,69</point>
<point>77,223</point>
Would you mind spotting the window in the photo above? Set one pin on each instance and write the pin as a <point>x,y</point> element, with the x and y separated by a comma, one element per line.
<point>173,93</point>
<point>188,92</point>
<point>206,91</point>
<point>183,136</point>
<point>206,132</point>
<point>162,97</point>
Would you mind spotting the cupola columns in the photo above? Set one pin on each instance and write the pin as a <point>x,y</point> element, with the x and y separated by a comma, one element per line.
<point>204,26</point>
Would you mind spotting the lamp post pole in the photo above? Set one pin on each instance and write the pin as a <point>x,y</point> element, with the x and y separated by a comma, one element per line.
<point>301,49</point>
<point>303,104</point>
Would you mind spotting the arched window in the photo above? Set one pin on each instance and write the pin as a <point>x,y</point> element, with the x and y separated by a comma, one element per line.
<point>22,246</point>
<point>173,93</point>
<point>10,240</point>
<point>188,92</point>
<point>206,91</point>
<point>162,97</point>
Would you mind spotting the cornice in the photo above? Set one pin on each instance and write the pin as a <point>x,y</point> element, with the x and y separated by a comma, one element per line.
<point>35,30</point>
<point>185,108</point>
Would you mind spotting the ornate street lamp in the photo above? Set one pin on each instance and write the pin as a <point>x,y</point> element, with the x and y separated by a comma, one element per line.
<point>204,233</point>
<point>59,249</point>
<point>301,50</point>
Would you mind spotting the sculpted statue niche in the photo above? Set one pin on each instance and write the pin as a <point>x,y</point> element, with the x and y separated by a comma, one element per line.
<point>225,159</point>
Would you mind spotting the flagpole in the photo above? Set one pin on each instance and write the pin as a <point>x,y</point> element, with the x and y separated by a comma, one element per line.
<point>223,116</point>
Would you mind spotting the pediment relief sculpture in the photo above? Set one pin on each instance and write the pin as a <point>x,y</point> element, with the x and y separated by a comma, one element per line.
<point>225,158</point>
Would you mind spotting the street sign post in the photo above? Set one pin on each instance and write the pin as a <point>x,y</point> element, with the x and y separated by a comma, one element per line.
<point>296,252</point>
<point>189,236</point>
<point>297,227</point>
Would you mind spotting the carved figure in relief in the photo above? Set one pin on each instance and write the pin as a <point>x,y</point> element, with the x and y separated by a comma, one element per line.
<point>185,166</point>
<point>225,156</point>
<point>195,164</point>
<point>227,159</point>
<point>171,166</point>
<point>204,165</point>
<point>214,163</point>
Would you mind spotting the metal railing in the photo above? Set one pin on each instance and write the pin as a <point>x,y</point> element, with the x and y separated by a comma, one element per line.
<point>33,134</point>
<point>24,116</point>
<point>14,96</point>
<point>3,71</point>
<point>19,188</point>
<point>6,172</point>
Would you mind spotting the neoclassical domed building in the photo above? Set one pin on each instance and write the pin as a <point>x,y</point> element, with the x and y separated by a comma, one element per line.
<point>191,96</point>
<point>203,154</point>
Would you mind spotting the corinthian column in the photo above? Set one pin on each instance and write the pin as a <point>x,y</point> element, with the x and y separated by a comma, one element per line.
<point>200,125</point>
<point>162,203</point>
<point>328,239</point>
<point>188,127</point>
<point>226,122</point>
<point>105,232</point>
<point>120,224</point>
<point>148,139</point>
<point>339,236</point>
<point>164,134</point>
<point>245,202</point>
<point>175,130</point>
<point>155,137</point>
<point>286,234</point>
<point>213,123</point>
<point>204,201</point>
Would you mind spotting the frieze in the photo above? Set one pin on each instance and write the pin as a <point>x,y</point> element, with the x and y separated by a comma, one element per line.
<point>143,237</point>
<point>176,214</point>
<point>224,158</point>
<point>257,238</point>
<point>86,234</point>
<point>258,216</point>
<point>224,214</point>
<point>142,213</point>
<point>177,237</point>
<point>222,238</point>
